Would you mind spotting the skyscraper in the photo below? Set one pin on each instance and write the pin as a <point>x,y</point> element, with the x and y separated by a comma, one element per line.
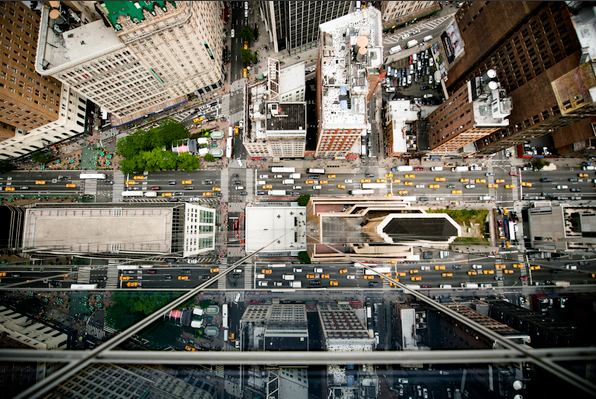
<point>140,58</point>
<point>349,62</point>
<point>35,110</point>
<point>294,25</point>
<point>398,12</point>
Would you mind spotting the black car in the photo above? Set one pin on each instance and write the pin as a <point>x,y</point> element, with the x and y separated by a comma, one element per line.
<point>313,176</point>
<point>556,271</point>
<point>295,193</point>
<point>373,284</point>
<point>574,179</point>
<point>15,275</point>
<point>451,186</point>
<point>243,193</point>
<point>315,282</point>
<point>423,198</point>
<point>109,182</point>
<point>424,87</point>
<point>576,189</point>
<point>172,199</point>
<point>188,188</point>
<point>206,277</point>
<point>217,194</point>
<point>237,182</point>
<point>184,271</point>
<point>236,175</point>
<point>178,193</point>
<point>370,175</point>
<point>261,193</point>
<point>171,183</point>
<point>167,277</point>
<point>456,267</point>
<point>208,182</point>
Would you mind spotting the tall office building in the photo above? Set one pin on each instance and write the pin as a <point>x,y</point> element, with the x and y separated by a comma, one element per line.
<point>399,12</point>
<point>348,72</point>
<point>141,58</point>
<point>477,109</point>
<point>35,111</point>
<point>530,45</point>
<point>294,25</point>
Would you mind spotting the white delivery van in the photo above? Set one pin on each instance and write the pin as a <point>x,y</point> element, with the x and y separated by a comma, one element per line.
<point>445,286</point>
<point>287,181</point>
<point>436,168</point>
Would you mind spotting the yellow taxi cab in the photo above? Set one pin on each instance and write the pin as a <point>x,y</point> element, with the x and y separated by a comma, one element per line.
<point>368,277</point>
<point>132,284</point>
<point>403,192</point>
<point>124,277</point>
<point>416,278</point>
<point>410,176</point>
<point>493,186</point>
<point>440,267</point>
<point>433,186</point>
<point>331,176</point>
<point>40,182</point>
<point>2,274</point>
<point>517,265</point>
<point>186,181</point>
<point>138,177</point>
<point>396,181</point>
<point>190,349</point>
<point>307,182</point>
<point>526,184</point>
<point>8,188</point>
<point>71,185</point>
<point>455,191</point>
<point>472,273</point>
<point>310,276</point>
<point>500,267</point>
<point>413,271</point>
<point>324,276</point>
<point>236,130</point>
<point>391,284</point>
<point>464,180</point>
<point>447,274</point>
<point>207,194</point>
<point>508,271</point>
<point>393,262</point>
<point>244,71</point>
<point>269,186</point>
<point>182,277</point>
<point>215,188</point>
<point>197,120</point>
<point>364,180</point>
<point>266,271</point>
<point>381,181</point>
<point>408,183</point>
<point>583,175</point>
<point>401,274</point>
<point>341,186</point>
<point>439,179</point>
<point>388,195</point>
<point>166,194</point>
<point>246,45</point>
<point>535,267</point>
<point>388,174</point>
<point>324,182</point>
<point>214,270</point>
<point>481,181</point>
<point>500,181</point>
<point>510,186</point>
<point>333,283</point>
<point>488,271</point>
<point>130,183</point>
<point>343,271</point>
<point>593,275</point>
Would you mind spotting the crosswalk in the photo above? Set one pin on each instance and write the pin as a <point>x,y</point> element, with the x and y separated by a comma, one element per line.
<point>428,25</point>
<point>183,115</point>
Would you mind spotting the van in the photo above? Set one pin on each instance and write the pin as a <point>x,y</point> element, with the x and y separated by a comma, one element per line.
<point>436,168</point>
<point>445,286</point>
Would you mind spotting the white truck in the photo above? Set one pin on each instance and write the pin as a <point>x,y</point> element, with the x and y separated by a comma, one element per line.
<point>288,277</point>
<point>428,38</point>
<point>412,43</point>
<point>288,181</point>
<point>460,169</point>
<point>150,194</point>
<point>294,176</point>
<point>395,49</point>
<point>405,168</point>
<point>296,284</point>
<point>561,283</point>
<point>469,285</point>
<point>276,192</point>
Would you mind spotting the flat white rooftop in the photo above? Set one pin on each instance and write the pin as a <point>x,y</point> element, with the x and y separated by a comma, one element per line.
<point>292,78</point>
<point>285,225</point>
<point>400,112</point>
<point>96,230</point>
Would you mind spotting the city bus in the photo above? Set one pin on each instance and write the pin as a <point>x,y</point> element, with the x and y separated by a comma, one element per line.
<point>92,176</point>
<point>374,185</point>
<point>315,170</point>
<point>132,193</point>
<point>361,192</point>
<point>224,316</point>
<point>282,169</point>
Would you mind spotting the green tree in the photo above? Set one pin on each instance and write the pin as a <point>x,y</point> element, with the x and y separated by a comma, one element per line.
<point>303,199</point>
<point>539,163</point>
<point>246,56</point>
<point>6,166</point>
<point>130,307</point>
<point>247,32</point>
<point>41,157</point>
<point>303,257</point>
<point>209,158</point>
<point>188,161</point>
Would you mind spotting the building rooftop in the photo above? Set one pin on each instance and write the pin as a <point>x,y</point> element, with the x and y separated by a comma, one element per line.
<point>292,77</point>
<point>284,225</point>
<point>350,45</point>
<point>285,117</point>
<point>132,9</point>
<point>401,113</point>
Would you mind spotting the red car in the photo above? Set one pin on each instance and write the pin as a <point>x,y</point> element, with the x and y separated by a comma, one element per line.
<point>427,286</point>
<point>513,174</point>
<point>155,188</point>
<point>418,169</point>
<point>410,60</point>
<point>524,278</point>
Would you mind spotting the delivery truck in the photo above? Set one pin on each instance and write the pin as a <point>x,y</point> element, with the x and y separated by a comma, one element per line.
<point>412,43</point>
<point>469,285</point>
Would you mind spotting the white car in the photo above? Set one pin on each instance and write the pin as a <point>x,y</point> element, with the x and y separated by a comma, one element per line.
<point>564,187</point>
<point>403,37</point>
<point>476,266</point>
<point>351,277</point>
<point>427,96</point>
<point>350,181</point>
<point>233,33</point>
<point>277,176</point>
<point>440,199</point>
<point>470,186</point>
<point>419,185</point>
<point>263,176</point>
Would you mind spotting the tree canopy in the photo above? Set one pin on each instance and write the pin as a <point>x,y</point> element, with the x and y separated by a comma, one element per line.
<point>539,163</point>
<point>130,307</point>
<point>247,32</point>
<point>303,257</point>
<point>303,199</point>
<point>248,57</point>
<point>147,150</point>
<point>41,157</point>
